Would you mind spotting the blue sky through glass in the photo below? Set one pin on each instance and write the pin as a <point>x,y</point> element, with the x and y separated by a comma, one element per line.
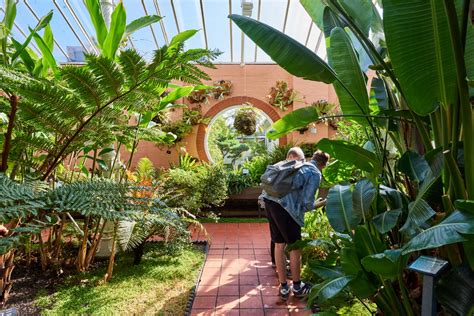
<point>188,14</point>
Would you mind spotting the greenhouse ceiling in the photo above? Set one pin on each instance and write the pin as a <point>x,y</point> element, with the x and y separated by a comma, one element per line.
<point>74,32</point>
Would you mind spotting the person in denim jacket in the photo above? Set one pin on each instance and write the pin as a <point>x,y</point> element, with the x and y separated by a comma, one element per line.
<point>286,217</point>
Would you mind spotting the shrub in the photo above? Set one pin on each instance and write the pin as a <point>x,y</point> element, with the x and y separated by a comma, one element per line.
<point>203,186</point>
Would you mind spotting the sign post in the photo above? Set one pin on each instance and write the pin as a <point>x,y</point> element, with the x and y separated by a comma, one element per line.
<point>430,268</point>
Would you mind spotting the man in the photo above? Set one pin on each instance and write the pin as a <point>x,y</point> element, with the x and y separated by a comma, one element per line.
<point>286,217</point>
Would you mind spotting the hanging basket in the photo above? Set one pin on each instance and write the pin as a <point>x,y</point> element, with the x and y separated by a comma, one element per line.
<point>245,121</point>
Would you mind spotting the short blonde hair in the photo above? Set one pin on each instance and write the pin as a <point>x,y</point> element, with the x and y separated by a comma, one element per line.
<point>296,152</point>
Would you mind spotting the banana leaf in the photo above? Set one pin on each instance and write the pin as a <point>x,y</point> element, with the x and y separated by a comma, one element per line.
<point>291,55</point>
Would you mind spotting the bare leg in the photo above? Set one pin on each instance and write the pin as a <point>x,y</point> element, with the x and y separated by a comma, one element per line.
<point>280,260</point>
<point>295,264</point>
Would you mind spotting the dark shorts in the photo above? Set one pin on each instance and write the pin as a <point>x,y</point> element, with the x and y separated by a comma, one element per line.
<point>283,228</point>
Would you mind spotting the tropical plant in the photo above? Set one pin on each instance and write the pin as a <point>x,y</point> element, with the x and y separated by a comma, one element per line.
<point>405,208</point>
<point>196,188</point>
<point>221,89</point>
<point>326,109</point>
<point>280,96</point>
<point>198,96</point>
<point>133,233</point>
<point>245,120</point>
<point>78,115</point>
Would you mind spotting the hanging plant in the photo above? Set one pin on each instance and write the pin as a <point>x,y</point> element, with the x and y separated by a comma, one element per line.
<point>280,96</point>
<point>222,88</point>
<point>325,109</point>
<point>198,96</point>
<point>245,121</point>
<point>193,116</point>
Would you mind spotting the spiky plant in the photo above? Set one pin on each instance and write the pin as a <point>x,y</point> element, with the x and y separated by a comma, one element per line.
<point>83,103</point>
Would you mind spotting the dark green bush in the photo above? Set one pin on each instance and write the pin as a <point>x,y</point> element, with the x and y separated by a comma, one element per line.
<point>203,186</point>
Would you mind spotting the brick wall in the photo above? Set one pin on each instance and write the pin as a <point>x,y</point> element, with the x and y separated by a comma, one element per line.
<point>250,83</point>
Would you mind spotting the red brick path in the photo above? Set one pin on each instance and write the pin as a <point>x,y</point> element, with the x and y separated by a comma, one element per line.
<point>238,278</point>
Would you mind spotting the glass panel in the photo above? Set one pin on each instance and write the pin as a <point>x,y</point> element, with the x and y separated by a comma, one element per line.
<point>61,32</point>
<point>217,25</point>
<point>168,18</point>
<point>189,18</point>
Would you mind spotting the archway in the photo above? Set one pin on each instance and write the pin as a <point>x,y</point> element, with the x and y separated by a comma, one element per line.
<point>228,103</point>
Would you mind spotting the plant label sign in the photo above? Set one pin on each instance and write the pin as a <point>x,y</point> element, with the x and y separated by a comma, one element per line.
<point>428,265</point>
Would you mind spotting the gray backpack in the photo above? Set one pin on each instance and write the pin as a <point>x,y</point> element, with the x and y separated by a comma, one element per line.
<point>277,179</point>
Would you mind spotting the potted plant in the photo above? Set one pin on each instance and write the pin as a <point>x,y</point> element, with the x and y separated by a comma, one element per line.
<point>325,109</point>
<point>280,96</point>
<point>245,121</point>
<point>198,96</point>
<point>222,88</point>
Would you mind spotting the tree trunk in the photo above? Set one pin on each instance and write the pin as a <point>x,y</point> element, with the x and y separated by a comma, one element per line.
<point>7,266</point>
<point>138,253</point>
<point>9,133</point>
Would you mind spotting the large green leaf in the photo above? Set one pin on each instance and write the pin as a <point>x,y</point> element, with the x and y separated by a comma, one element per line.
<point>25,56</point>
<point>449,231</point>
<point>469,56</point>
<point>326,273</point>
<point>315,9</point>
<point>362,287</point>
<point>95,13</point>
<point>364,59</point>
<point>45,51</point>
<point>393,197</point>
<point>330,22</point>
<point>385,264</point>
<point>291,55</point>
<point>339,209</point>
<point>386,220</point>
<point>8,19</point>
<point>330,288</point>
<point>378,95</point>
<point>115,34</point>
<point>362,13</point>
<point>465,205</point>
<point>365,243</point>
<point>455,290</point>
<point>174,95</point>
<point>41,24</point>
<point>183,36</point>
<point>350,262</point>
<point>362,197</point>
<point>140,23</point>
<point>338,172</point>
<point>414,166</point>
<point>417,35</point>
<point>293,121</point>
<point>418,213</point>
<point>351,87</point>
<point>352,154</point>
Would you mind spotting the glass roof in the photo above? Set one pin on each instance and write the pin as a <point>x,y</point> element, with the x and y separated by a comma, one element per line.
<point>74,32</point>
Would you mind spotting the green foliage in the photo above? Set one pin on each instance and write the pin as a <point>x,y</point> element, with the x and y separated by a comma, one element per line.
<point>237,181</point>
<point>197,188</point>
<point>245,121</point>
<point>256,167</point>
<point>292,121</point>
<point>161,284</point>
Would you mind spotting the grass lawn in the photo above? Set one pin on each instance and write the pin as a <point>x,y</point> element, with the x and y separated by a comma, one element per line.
<point>160,285</point>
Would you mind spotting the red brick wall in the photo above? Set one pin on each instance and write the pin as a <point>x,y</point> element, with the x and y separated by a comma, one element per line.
<point>250,83</point>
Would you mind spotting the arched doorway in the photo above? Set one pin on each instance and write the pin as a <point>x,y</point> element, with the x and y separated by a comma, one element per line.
<point>267,110</point>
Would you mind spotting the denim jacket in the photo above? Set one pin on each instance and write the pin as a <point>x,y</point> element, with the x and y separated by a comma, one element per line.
<point>301,199</point>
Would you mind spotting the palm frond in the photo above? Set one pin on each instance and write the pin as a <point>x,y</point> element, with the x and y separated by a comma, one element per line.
<point>133,66</point>
<point>107,73</point>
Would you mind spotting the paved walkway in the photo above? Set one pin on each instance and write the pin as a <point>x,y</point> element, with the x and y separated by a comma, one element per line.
<point>238,278</point>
